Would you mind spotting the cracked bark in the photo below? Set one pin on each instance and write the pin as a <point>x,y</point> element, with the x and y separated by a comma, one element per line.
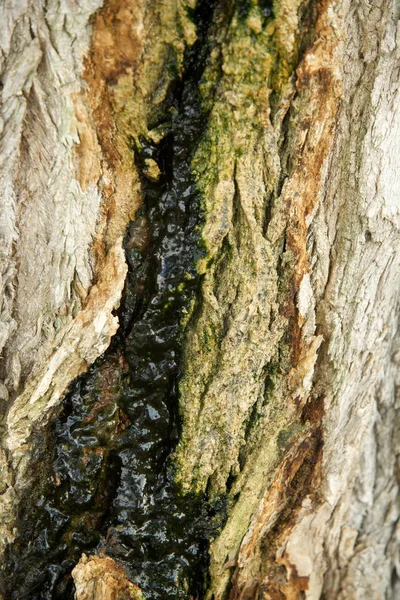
<point>289,375</point>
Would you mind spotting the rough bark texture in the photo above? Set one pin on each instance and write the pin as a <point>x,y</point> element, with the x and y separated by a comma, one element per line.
<point>101,577</point>
<point>289,378</point>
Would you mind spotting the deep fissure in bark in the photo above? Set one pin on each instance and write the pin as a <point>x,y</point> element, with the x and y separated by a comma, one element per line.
<point>108,485</point>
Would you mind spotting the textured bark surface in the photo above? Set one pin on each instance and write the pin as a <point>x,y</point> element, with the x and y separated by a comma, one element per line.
<point>288,381</point>
<point>100,577</point>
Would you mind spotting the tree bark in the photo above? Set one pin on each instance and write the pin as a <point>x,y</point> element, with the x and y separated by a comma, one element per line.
<point>200,216</point>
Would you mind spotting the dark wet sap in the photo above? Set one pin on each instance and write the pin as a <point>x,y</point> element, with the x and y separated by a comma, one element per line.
<point>109,483</point>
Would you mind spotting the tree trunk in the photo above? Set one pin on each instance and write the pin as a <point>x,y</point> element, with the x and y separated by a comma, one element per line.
<point>200,254</point>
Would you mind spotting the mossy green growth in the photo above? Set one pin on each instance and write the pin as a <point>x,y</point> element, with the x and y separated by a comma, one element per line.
<point>236,417</point>
<point>235,90</point>
<point>256,59</point>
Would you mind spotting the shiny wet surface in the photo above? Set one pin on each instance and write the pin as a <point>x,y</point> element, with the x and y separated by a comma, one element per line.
<point>105,479</point>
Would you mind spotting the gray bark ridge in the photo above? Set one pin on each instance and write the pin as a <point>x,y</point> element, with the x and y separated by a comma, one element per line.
<point>48,224</point>
<point>348,545</point>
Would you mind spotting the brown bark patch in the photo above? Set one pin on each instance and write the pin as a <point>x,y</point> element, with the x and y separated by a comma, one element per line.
<point>111,71</point>
<point>318,93</point>
<point>137,49</point>
<point>101,578</point>
<point>262,570</point>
